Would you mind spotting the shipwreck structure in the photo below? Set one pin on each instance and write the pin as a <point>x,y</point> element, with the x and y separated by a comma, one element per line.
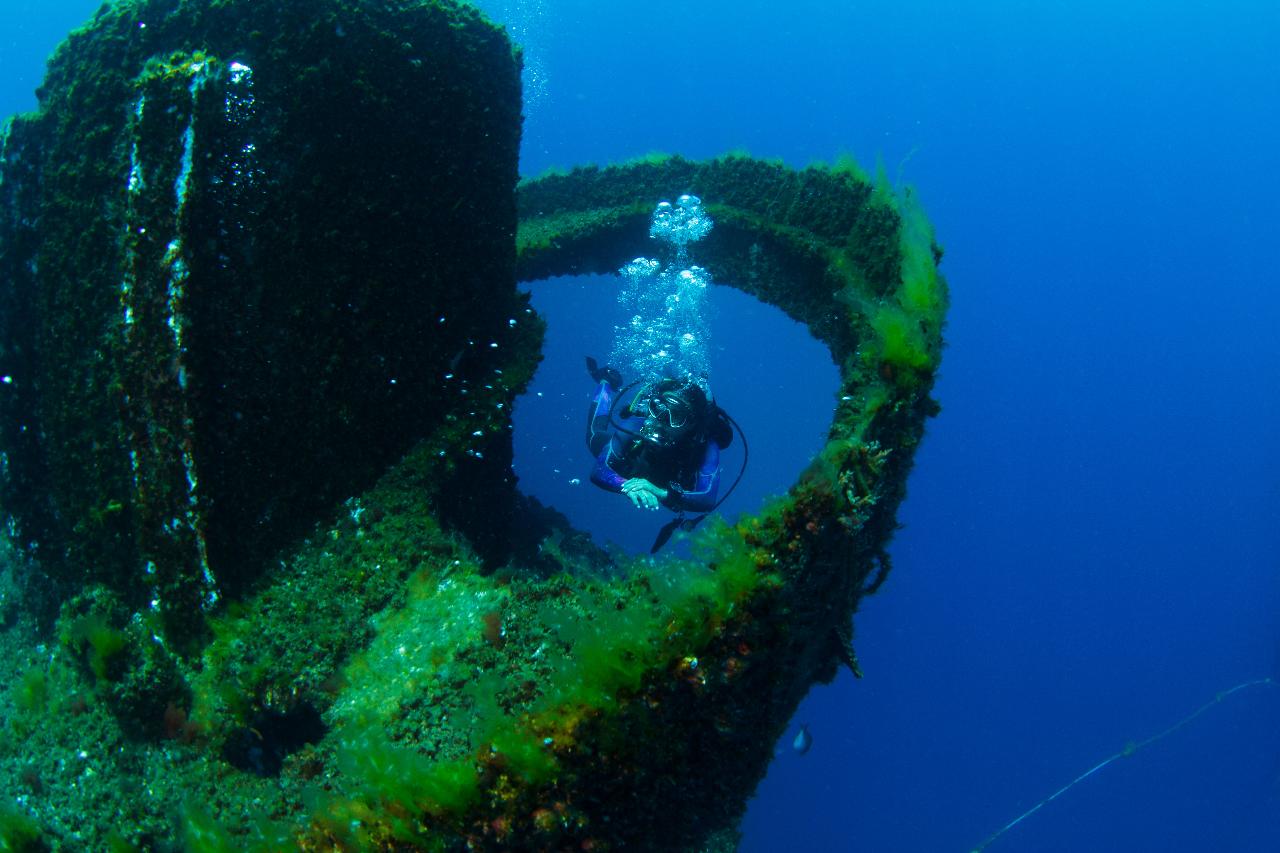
<point>260,336</point>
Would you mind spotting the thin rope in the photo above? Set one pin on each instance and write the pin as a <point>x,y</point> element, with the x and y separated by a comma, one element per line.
<point>1129,749</point>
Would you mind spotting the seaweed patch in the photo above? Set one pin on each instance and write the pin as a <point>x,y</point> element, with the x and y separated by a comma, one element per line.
<point>260,335</point>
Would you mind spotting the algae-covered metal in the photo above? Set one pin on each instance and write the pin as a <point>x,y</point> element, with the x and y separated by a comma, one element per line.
<point>262,336</point>
<point>235,240</point>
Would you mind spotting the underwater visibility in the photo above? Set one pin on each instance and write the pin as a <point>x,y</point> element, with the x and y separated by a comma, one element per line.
<point>269,580</point>
<point>317,535</point>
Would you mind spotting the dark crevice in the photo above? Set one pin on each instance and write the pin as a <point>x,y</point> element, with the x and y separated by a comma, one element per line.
<point>262,746</point>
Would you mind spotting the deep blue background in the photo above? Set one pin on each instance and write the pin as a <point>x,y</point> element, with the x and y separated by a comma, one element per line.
<point>1090,548</point>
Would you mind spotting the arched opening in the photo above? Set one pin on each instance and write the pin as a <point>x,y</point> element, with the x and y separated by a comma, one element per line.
<point>767,371</point>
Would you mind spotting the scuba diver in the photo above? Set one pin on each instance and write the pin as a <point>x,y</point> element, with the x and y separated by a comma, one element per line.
<point>661,447</point>
<point>657,441</point>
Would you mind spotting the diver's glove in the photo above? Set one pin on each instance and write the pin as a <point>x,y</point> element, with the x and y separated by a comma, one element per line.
<point>604,374</point>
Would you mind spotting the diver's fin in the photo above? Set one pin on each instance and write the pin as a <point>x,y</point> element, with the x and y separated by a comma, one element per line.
<point>604,374</point>
<point>664,535</point>
<point>687,524</point>
<point>669,529</point>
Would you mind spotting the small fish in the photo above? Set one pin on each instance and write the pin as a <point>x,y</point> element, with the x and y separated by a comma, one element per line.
<point>603,374</point>
<point>803,740</point>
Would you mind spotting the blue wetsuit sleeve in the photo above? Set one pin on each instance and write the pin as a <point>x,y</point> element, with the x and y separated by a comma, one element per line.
<point>702,497</point>
<point>603,474</point>
<point>601,440</point>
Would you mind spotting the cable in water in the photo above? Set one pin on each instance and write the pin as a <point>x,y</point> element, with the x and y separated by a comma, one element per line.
<point>1129,749</point>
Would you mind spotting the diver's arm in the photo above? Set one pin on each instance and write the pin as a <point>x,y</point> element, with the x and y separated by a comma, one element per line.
<point>642,493</point>
<point>702,497</point>
<point>603,474</point>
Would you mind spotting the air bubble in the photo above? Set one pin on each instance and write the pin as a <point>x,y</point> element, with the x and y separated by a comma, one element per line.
<point>667,329</point>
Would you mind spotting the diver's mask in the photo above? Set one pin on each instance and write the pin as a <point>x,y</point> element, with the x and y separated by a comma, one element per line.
<point>669,417</point>
<point>672,408</point>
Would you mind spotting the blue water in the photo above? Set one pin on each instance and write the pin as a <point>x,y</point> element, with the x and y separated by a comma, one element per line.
<point>1091,541</point>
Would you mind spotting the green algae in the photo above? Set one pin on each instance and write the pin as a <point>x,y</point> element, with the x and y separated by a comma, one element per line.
<point>467,704</point>
<point>18,832</point>
<point>470,698</point>
<point>97,641</point>
<point>226,301</point>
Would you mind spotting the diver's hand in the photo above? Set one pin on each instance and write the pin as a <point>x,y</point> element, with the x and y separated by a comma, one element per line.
<point>643,494</point>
